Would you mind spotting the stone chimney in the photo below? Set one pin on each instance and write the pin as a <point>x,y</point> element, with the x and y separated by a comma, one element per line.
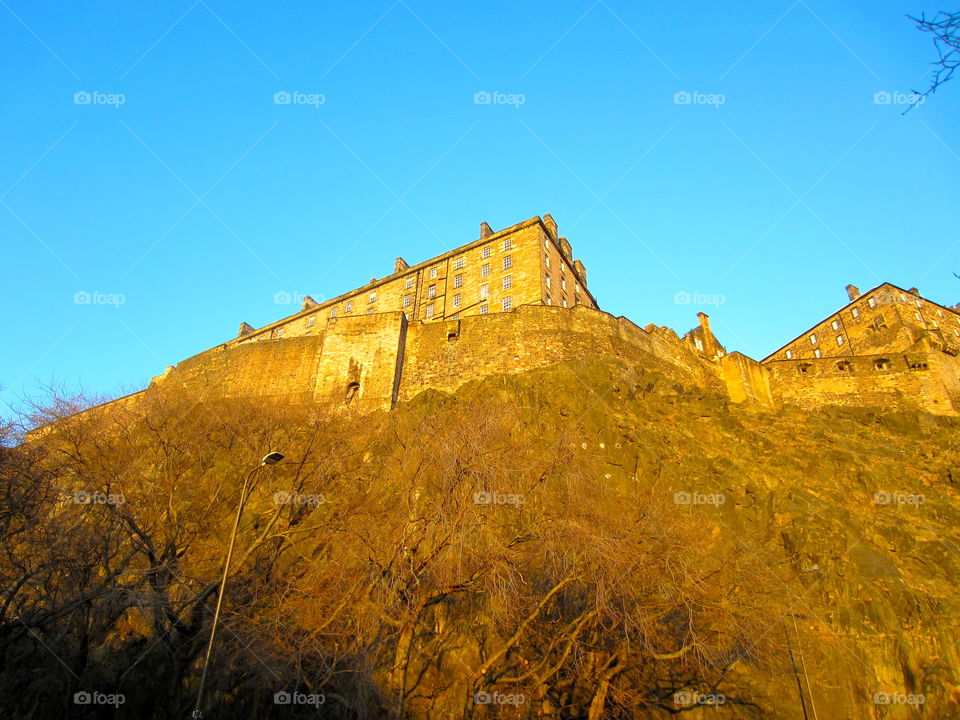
<point>245,329</point>
<point>704,322</point>
<point>853,292</point>
<point>551,225</point>
<point>581,271</point>
<point>914,291</point>
<point>485,230</point>
<point>308,302</point>
<point>399,265</point>
<point>566,249</point>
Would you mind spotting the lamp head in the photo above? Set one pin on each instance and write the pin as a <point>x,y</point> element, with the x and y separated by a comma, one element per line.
<point>272,458</point>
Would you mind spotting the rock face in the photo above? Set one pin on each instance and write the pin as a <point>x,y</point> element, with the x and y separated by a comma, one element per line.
<point>862,505</point>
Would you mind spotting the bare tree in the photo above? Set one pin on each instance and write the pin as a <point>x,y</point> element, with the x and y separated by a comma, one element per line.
<point>945,28</point>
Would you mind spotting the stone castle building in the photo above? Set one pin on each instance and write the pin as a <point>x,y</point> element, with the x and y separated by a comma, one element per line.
<point>517,299</point>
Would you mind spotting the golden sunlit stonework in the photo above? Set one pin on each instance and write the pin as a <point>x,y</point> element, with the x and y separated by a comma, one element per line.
<point>517,299</point>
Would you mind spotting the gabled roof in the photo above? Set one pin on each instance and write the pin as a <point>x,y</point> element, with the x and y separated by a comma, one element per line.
<point>853,302</point>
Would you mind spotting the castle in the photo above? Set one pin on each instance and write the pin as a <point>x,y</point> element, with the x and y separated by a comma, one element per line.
<point>517,299</point>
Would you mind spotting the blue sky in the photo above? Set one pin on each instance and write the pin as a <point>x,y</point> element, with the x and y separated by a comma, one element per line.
<point>184,189</point>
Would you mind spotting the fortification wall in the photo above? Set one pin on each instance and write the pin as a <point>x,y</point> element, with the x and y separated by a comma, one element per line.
<point>746,379</point>
<point>446,355</point>
<point>902,381</point>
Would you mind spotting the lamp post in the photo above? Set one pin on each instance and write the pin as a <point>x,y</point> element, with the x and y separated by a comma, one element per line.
<point>269,459</point>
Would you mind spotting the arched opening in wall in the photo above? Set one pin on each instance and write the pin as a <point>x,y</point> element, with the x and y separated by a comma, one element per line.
<point>352,390</point>
<point>843,366</point>
<point>804,368</point>
<point>881,364</point>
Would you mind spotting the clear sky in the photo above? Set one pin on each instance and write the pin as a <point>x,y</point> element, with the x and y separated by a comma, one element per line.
<point>181,188</point>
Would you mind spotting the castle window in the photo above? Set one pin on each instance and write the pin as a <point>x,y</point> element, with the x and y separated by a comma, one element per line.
<point>408,283</point>
<point>458,263</point>
<point>804,368</point>
<point>352,390</point>
<point>698,343</point>
<point>456,301</point>
<point>789,354</point>
<point>458,281</point>
<point>372,298</point>
<point>813,339</point>
<point>311,321</point>
<point>508,262</point>
<point>576,299</point>
<point>485,270</point>
<point>917,316</point>
<point>485,252</point>
<point>835,325</point>
<point>881,364</point>
<point>564,301</point>
<point>817,353</point>
<point>484,309</point>
<point>432,291</point>
<point>956,332</point>
<point>546,260</point>
<point>936,325</point>
<point>406,301</point>
<point>507,282</point>
<point>370,311</point>
<point>506,303</point>
<point>278,333</point>
<point>840,340</point>
<point>903,298</point>
<point>429,311</point>
<point>507,244</point>
<point>433,273</point>
<point>484,290</point>
<point>843,366</point>
<point>879,323</point>
<point>546,244</point>
<point>548,281</point>
<point>855,312</point>
<point>919,304</point>
<point>349,305</point>
<point>939,312</point>
<point>550,302</point>
<point>871,302</point>
<point>563,283</point>
<point>333,312</point>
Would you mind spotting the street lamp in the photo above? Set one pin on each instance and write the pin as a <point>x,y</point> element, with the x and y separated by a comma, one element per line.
<point>270,459</point>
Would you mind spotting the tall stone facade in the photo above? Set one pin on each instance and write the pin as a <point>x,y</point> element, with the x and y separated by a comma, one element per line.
<point>517,299</point>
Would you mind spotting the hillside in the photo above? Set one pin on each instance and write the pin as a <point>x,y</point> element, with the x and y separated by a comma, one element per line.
<point>586,540</point>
